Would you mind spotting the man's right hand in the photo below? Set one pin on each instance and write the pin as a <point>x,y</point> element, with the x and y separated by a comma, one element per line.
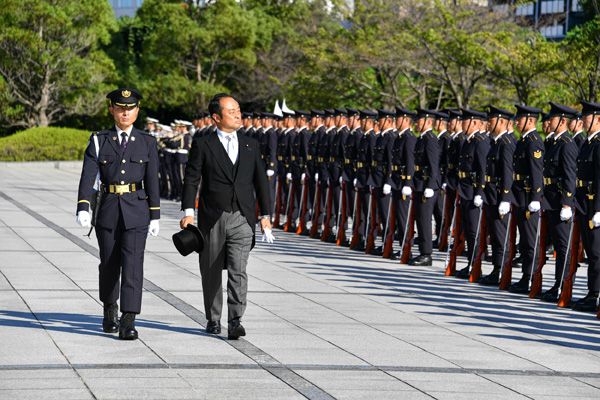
<point>84,219</point>
<point>185,221</point>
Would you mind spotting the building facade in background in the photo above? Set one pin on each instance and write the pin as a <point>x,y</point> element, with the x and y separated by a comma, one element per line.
<point>552,18</point>
<point>125,7</point>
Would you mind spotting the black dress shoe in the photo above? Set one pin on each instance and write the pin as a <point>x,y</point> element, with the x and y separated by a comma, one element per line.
<point>377,251</point>
<point>395,256</point>
<point>110,324</point>
<point>235,330</point>
<point>317,235</point>
<point>493,279</point>
<point>360,246</point>
<point>463,273</point>
<point>345,243</point>
<point>588,303</point>
<point>522,286</point>
<point>422,260</point>
<point>213,327</point>
<point>331,239</point>
<point>127,328</point>
<point>551,295</point>
<point>305,232</point>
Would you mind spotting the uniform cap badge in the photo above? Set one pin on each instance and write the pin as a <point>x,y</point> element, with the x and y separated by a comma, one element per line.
<point>125,93</point>
<point>537,154</point>
<point>506,191</point>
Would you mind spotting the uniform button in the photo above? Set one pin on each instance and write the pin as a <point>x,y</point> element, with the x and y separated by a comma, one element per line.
<point>123,161</point>
<point>123,171</point>
<point>122,182</point>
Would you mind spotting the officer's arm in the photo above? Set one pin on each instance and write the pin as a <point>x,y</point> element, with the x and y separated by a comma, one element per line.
<point>506,158</point>
<point>88,176</point>
<point>536,169</point>
<point>569,164</point>
<point>433,156</point>
<point>151,180</point>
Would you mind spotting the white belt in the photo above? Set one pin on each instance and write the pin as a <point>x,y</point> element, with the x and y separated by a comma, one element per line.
<point>182,151</point>
<point>171,151</point>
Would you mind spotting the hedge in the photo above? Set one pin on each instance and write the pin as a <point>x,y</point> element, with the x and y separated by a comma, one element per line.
<point>44,144</point>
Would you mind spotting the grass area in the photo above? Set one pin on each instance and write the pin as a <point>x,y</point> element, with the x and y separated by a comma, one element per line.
<point>44,144</point>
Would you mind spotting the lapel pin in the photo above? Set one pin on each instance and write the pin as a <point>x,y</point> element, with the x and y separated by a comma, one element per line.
<point>114,138</point>
<point>133,138</point>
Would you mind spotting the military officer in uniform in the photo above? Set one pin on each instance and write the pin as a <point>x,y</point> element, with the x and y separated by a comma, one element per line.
<point>528,164</point>
<point>588,202</point>
<point>126,160</point>
<point>401,171</point>
<point>268,148</point>
<point>471,181</point>
<point>498,187</point>
<point>350,140</point>
<point>426,183</point>
<point>457,140</point>
<point>444,139</point>
<point>576,126</point>
<point>559,188</point>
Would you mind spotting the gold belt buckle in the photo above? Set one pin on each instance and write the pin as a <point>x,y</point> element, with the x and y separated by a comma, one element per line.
<point>120,189</point>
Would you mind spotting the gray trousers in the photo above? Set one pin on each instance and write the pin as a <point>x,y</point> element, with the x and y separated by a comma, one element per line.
<point>226,246</point>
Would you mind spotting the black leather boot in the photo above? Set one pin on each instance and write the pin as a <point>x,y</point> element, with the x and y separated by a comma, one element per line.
<point>588,303</point>
<point>110,324</point>
<point>553,294</point>
<point>422,260</point>
<point>127,328</point>
<point>464,273</point>
<point>522,286</point>
<point>493,279</point>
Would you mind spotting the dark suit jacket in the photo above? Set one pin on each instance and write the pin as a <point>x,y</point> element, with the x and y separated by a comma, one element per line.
<point>139,163</point>
<point>209,161</point>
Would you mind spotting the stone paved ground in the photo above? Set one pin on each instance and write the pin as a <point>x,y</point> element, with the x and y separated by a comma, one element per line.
<point>323,322</point>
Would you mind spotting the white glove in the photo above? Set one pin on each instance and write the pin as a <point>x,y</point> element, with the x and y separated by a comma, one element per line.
<point>534,206</point>
<point>153,227</point>
<point>270,172</point>
<point>84,219</point>
<point>387,189</point>
<point>566,214</point>
<point>268,236</point>
<point>478,201</point>
<point>428,193</point>
<point>596,219</point>
<point>503,208</point>
<point>355,182</point>
<point>443,186</point>
<point>406,191</point>
<point>341,180</point>
<point>288,176</point>
<point>317,176</point>
<point>302,177</point>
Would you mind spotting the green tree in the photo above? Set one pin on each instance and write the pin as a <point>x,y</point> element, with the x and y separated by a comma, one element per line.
<point>50,63</point>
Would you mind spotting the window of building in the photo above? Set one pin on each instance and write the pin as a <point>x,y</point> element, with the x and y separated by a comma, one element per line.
<point>525,9</point>
<point>553,31</point>
<point>125,3</point>
<point>552,7</point>
<point>576,7</point>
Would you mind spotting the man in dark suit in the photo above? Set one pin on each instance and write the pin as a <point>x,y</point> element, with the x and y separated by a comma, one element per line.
<point>127,160</point>
<point>231,171</point>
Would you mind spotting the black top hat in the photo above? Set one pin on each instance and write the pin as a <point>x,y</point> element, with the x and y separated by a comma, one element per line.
<point>189,239</point>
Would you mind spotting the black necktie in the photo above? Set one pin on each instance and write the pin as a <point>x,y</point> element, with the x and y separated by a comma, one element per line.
<point>123,142</point>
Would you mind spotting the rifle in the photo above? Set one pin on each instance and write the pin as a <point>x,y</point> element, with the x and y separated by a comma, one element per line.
<point>341,220</point>
<point>301,223</point>
<point>388,244</point>
<point>440,228</point>
<point>355,220</point>
<point>567,291</point>
<point>368,218</point>
<point>314,229</point>
<point>482,236</point>
<point>96,199</point>
<point>537,242</point>
<point>387,224</point>
<point>327,219</point>
<point>443,242</point>
<point>277,207</point>
<point>536,286</point>
<point>408,235</point>
<point>511,235</point>
<point>374,224</point>
<point>567,255</point>
<point>458,244</point>
<point>289,209</point>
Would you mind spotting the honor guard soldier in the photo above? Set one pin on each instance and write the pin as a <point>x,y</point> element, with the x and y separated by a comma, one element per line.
<point>457,140</point>
<point>312,176</point>
<point>299,156</point>
<point>363,171</point>
<point>559,189</point>
<point>528,164</point>
<point>426,183</point>
<point>125,160</point>
<point>350,141</point>
<point>284,156</point>
<point>549,140</point>
<point>498,187</point>
<point>588,202</point>
<point>151,126</point>
<point>381,158</point>
<point>268,150</point>
<point>324,135</point>
<point>576,126</point>
<point>401,172</point>
<point>444,139</point>
<point>471,181</point>
<point>334,167</point>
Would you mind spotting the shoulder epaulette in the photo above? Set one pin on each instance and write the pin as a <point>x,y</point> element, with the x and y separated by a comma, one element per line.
<point>505,139</point>
<point>566,138</point>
